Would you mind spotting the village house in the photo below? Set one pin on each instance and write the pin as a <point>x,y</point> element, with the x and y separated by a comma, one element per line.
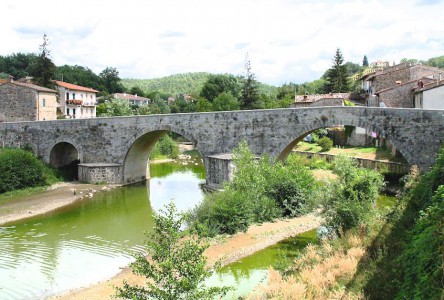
<point>331,99</point>
<point>21,101</point>
<point>132,99</point>
<point>393,86</point>
<point>431,95</point>
<point>76,102</point>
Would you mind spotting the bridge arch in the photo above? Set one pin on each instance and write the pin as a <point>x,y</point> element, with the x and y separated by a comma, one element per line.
<point>65,156</point>
<point>286,147</point>
<point>135,165</point>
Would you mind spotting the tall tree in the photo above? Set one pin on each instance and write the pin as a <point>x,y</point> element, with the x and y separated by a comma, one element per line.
<point>43,69</point>
<point>111,80</point>
<point>365,61</point>
<point>337,75</point>
<point>250,95</point>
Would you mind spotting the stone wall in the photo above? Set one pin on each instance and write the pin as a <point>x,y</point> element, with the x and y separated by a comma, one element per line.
<point>100,173</point>
<point>17,103</point>
<point>320,102</point>
<point>127,141</point>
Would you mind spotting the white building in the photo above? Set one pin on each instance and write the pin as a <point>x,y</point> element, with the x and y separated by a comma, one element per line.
<point>132,99</point>
<point>77,102</point>
<point>430,96</point>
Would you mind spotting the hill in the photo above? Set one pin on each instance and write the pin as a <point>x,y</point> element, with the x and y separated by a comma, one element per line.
<point>185,83</point>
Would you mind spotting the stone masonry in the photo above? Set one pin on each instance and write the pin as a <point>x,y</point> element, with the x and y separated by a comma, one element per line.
<point>127,141</point>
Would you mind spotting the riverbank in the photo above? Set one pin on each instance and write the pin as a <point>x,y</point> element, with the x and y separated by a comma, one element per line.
<point>227,250</point>
<point>55,197</point>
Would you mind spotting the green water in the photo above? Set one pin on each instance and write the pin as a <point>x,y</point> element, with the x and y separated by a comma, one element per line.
<point>245,274</point>
<point>92,239</point>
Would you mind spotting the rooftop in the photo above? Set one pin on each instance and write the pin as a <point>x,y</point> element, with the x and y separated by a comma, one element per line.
<point>30,85</point>
<point>74,87</point>
<point>130,97</point>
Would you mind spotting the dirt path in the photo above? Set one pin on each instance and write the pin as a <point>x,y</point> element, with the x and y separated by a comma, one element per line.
<point>227,250</point>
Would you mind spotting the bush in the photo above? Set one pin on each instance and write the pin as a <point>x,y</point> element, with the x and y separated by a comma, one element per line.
<point>325,143</point>
<point>348,202</point>
<point>20,169</point>
<point>260,191</point>
<point>166,146</point>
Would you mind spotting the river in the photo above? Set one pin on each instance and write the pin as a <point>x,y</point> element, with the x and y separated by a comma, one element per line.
<point>92,239</point>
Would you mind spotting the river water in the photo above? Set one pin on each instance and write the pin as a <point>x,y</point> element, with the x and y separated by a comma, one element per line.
<point>92,239</point>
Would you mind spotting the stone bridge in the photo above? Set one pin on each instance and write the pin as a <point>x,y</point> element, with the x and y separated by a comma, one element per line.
<point>117,149</point>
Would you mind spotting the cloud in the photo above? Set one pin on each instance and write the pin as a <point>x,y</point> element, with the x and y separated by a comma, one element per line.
<point>287,40</point>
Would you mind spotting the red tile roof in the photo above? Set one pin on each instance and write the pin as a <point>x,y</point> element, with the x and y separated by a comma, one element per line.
<point>75,87</point>
<point>130,97</point>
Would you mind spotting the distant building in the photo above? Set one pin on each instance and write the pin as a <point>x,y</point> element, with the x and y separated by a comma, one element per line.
<point>76,102</point>
<point>331,99</point>
<point>394,85</point>
<point>380,64</point>
<point>431,95</point>
<point>133,99</point>
<point>26,102</point>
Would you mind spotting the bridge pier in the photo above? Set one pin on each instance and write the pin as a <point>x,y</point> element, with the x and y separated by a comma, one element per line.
<point>100,173</point>
<point>220,168</point>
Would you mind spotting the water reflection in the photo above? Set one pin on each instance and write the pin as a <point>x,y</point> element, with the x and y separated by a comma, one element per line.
<point>90,240</point>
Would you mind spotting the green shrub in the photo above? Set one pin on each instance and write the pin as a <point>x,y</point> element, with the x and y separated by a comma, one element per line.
<point>348,202</point>
<point>325,143</point>
<point>260,191</point>
<point>166,146</point>
<point>20,169</point>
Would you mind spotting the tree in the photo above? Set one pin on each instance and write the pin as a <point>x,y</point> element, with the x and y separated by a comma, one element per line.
<point>220,83</point>
<point>114,108</point>
<point>80,76</point>
<point>17,65</point>
<point>135,90</point>
<point>337,75</point>
<point>250,94</point>
<point>365,61</point>
<point>224,102</point>
<point>176,269</point>
<point>111,80</point>
<point>43,69</point>
<point>203,105</point>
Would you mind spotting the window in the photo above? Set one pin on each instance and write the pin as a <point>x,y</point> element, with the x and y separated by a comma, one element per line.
<point>67,111</point>
<point>73,96</point>
<point>73,111</point>
<point>44,102</point>
<point>67,96</point>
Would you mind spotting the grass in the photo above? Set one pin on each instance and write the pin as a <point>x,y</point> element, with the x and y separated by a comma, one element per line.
<point>13,195</point>
<point>379,153</point>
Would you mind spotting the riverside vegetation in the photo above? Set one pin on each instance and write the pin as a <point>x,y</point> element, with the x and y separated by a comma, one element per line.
<point>395,253</point>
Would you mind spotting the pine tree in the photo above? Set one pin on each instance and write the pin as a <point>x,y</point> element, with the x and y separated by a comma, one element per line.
<point>365,61</point>
<point>43,69</point>
<point>250,95</point>
<point>337,78</point>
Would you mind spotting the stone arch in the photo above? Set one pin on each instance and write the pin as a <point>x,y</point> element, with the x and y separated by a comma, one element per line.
<point>286,147</point>
<point>135,165</point>
<point>66,157</point>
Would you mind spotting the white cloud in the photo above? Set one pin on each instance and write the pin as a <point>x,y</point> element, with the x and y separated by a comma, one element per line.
<point>287,40</point>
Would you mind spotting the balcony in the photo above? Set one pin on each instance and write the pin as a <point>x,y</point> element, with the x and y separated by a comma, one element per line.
<point>75,102</point>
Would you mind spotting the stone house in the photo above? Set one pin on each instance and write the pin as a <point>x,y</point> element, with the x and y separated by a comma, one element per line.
<point>331,99</point>
<point>76,102</point>
<point>430,96</point>
<point>394,85</point>
<point>21,101</point>
<point>132,99</point>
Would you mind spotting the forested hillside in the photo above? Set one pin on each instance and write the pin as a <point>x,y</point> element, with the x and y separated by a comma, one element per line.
<point>185,83</point>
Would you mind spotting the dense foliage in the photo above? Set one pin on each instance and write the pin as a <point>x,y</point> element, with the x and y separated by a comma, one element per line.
<point>165,147</point>
<point>260,191</point>
<point>325,143</point>
<point>20,169</point>
<point>176,268</point>
<point>348,201</point>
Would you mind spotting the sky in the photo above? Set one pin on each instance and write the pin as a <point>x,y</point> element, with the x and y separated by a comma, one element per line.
<point>284,40</point>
